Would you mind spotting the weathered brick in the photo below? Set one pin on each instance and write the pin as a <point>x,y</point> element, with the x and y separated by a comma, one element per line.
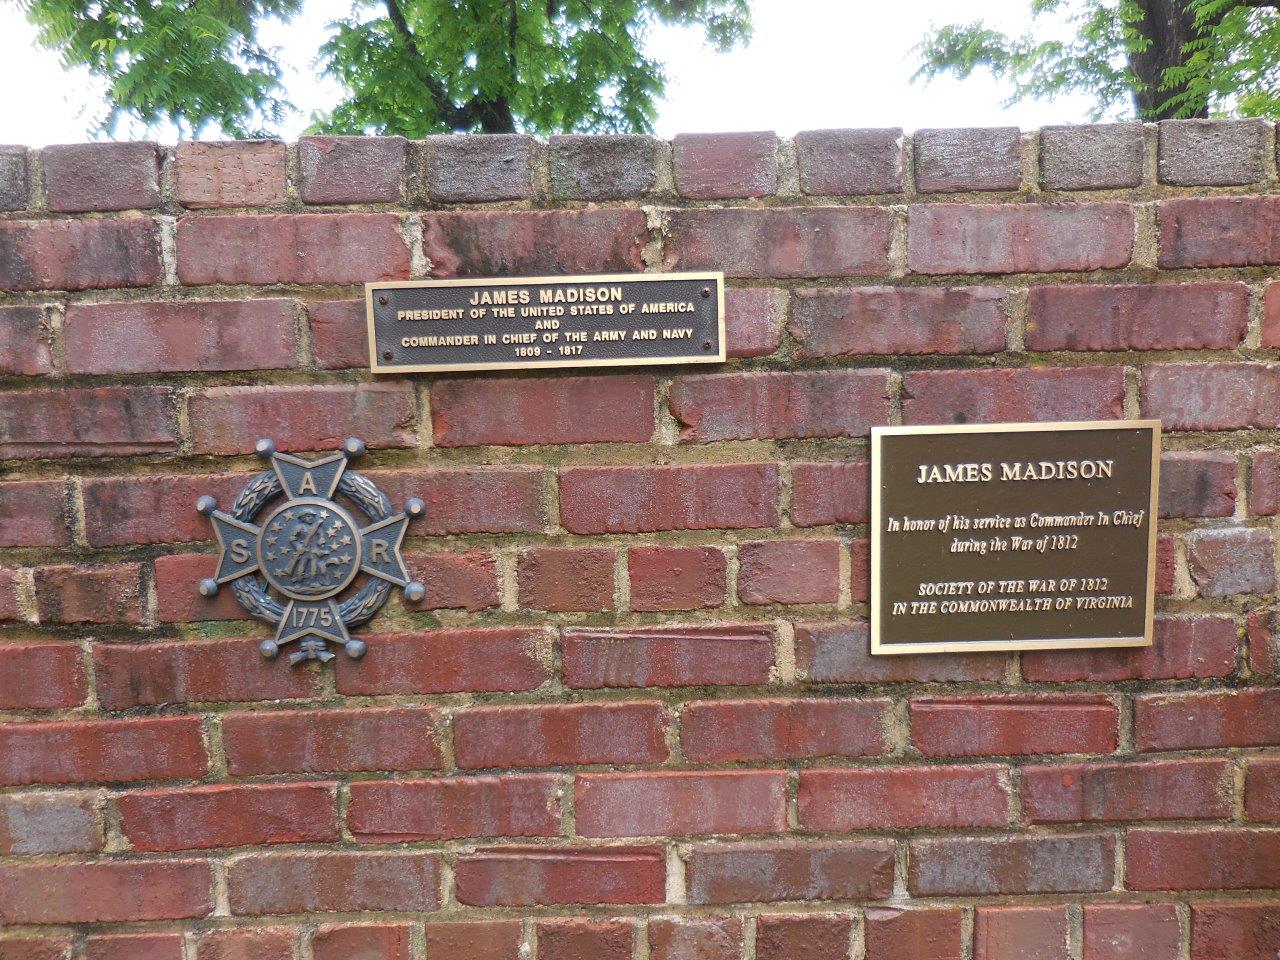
<point>959,159</point>
<point>351,169</point>
<point>246,943</point>
<point>1234,931</point>
<point>447,661</point>
<point>230,173</point>
<point>720,166</point>
<point>808,871</point>
<point>134,946</point>
<point>841,653</point>
<point>1228,562</point>
<point>312,248</point>
<point>1184,648</point>
<point>474,940</point>
<point>928,934</point>
<point>900,798</point>
<point>10,607</point>
<point>514,876</point>
<point>690,656</point>
<point>580,938</point>
<point>534,242</point>
<point>467,580</point>
<point>81,594</point>
<point>609,409</point>
<point>87,422</point>
<point>127,510</point>
<point>720,731</point>
<point>41,676</point>
<point>1212,396</point>
<point>640,499</point>
<point>45,823</point>
<point>1159,790</point>
<point>1021,933</point>
<point>79,254</point>
<point>1264,483</point>
<point>1219,232</point>
<point>339,333</point>
<point>106,751</point>
<point>14,193</point>
<point>1013,725</point>
<point>366,941</point>
<point>559,735</point>
<point>1213,153</point>
<point>474,499</point>
<point>1026,394</point>
<point>333,882</point>
<point>676,578</point>
<point>105,892</point>
<point>1262,791</point>
<point>101,176</point>
<point>1166,561</point>
<point>695,938</point>
<point>1260,635</point>
<point>321,741</point>
<point>845,163</point>
<point>828,493</point>
<point>1248,717</point>
<point>454,807</point>
<point>814,403</point>
<point>1131,931</point>
<point>1219,859</point>
<point>986,866</point>
<point>1019,238</point>
<point>789,571</point>
<point>1197,483</point>
<point>809,936</point>
<point>781,242</point>
<point>35,948</point>
<point>177,602</point>
<point>1181,316</point>
<point>193,335</point>
<point>680,803</point>
<point>751,322</point>
<point>470,169</point>
<point>1093,157</point>
<point>608,167</point>
<point>566,578</point>
<point>1271,316</point>
<point>25,333</point>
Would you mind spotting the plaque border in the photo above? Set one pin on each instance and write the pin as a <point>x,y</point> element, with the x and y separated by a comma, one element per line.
<point>989,646</point>
<point>376,366</point>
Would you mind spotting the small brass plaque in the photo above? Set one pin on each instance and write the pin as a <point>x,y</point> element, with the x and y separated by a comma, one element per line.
<point>1030,536</point>
<point>425,326</point>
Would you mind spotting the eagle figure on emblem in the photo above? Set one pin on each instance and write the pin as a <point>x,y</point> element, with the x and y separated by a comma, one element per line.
<point>300,567</point>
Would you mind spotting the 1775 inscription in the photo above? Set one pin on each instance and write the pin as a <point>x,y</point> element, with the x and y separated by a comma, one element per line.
<point>1013,536</point>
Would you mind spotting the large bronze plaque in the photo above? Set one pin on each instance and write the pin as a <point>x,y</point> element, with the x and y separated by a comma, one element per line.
<point>423,326</point>
<point>1031,536</point>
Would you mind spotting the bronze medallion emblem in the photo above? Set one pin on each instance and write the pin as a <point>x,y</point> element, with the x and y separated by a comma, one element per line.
<point>300,569</point>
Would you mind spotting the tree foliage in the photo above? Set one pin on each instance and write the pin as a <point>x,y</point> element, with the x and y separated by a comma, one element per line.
<point>1157,58</point>
<point>408,67</point>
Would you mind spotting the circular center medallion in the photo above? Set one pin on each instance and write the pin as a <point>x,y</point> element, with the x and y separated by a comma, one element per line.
<point>309,549</point>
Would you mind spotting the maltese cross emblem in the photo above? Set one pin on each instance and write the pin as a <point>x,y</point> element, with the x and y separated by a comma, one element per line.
<point>301,567</point>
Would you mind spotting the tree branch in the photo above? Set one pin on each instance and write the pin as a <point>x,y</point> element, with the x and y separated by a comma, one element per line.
<point>458,118</point>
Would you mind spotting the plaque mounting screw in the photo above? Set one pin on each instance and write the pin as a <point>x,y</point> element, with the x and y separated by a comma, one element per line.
<point>383,300</point>
<point>353,447</point>
<point>266,449</point>
<point>387,354</point>
<point>706,344</point>
<point>706,292</point>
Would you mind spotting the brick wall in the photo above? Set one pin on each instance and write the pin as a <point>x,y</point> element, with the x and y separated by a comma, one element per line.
<point>635,715</point>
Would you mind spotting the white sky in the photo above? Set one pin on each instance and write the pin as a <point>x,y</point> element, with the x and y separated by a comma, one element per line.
<point>811,64</point>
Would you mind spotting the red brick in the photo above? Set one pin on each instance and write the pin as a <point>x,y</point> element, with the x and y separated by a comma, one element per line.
<point>680,804</point>
<point>789,571</point>
<point>859,569</point>
<point>1262,791</point>
<point>751,322</point>
<point>367,941</point>
<point>191,335</point>
<point>1197,483</point>
<point>1271,316</point>
<point>745,406</point>
<point>41,676</point>
<point>1166,562</point>
<point>177,600</point>
<point>515,876</point>
<point>25,333</point>
<point>1160,790</point>
<point>230,420</point>
<point>898,798</point>
<point>756,872</point>
<point>844,163</point>
<point>808,937</point>
<point>893,934</point>
<point>1212,396</point>
<point>478,940</point>
<point>339,333</point>
<point>466,580</point>
<point>1018,238</point>
<point>641,499</point>
<point>463,169</point>
<point>514,412</point>
<point>478,499</point>
<point>447,661</point>
<point>313,248</point>
<point>566,578</point>
<point>984,866</point>
<point>41,823</point>
<point>87,422</point>
<point>560,735</point>
<point>225,815</point>
<point>828,493</point>
<point>454,807</point>
<point>10,610</point>
<point>78,594</point>
<point>79,254</point>
<point>960,159</point>
<point>233,173</point>
<point>33,513</point>
<point>720,166</point>
<point>331,740</point>
<point>1185,648</point>
<point>693,656</point>
<point>108,751</point>
<point>1182,316</point>
<point>841,653</point>
<point>1026,394</point>
<point>270,943</point>
<point>781,242</point>
<point>101,176</point>
<point>122,511</point>
<point>719,731</point>
<point>583,939</point>
<point>35,948</point>
<point>695,938</point>
<point>1218,231</point>
<point>1235,931</point>
<point>1264,656</point>
<point>1021,933</point>
<point>676,578</point>
<point>616,166</point>
<point>1228,562</point>
<point>1218,859</point>
<point>851,321</point>
<point>1013,725</point>
<point>105,892</point>
<point>351,169</point>
<point>534,242</point>
<point>1248,717</point>
<point>1264,483</point>
<point>333,882</point>
<point>134,946</point>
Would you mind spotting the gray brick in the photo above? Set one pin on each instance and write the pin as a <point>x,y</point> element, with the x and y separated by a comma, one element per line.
<point>13,178</point>
<point>949,161</point>
<point>617,167</point>
<point>846,163</point>
<point>1213,153</point>
<point>1098,157</point>
<point>476,168</point>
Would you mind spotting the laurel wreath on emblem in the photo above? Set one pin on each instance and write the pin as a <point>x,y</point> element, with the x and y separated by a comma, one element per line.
<point>309,551</point>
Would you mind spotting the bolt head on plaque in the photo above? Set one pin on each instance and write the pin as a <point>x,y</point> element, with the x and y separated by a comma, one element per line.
<point>298,557</point>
